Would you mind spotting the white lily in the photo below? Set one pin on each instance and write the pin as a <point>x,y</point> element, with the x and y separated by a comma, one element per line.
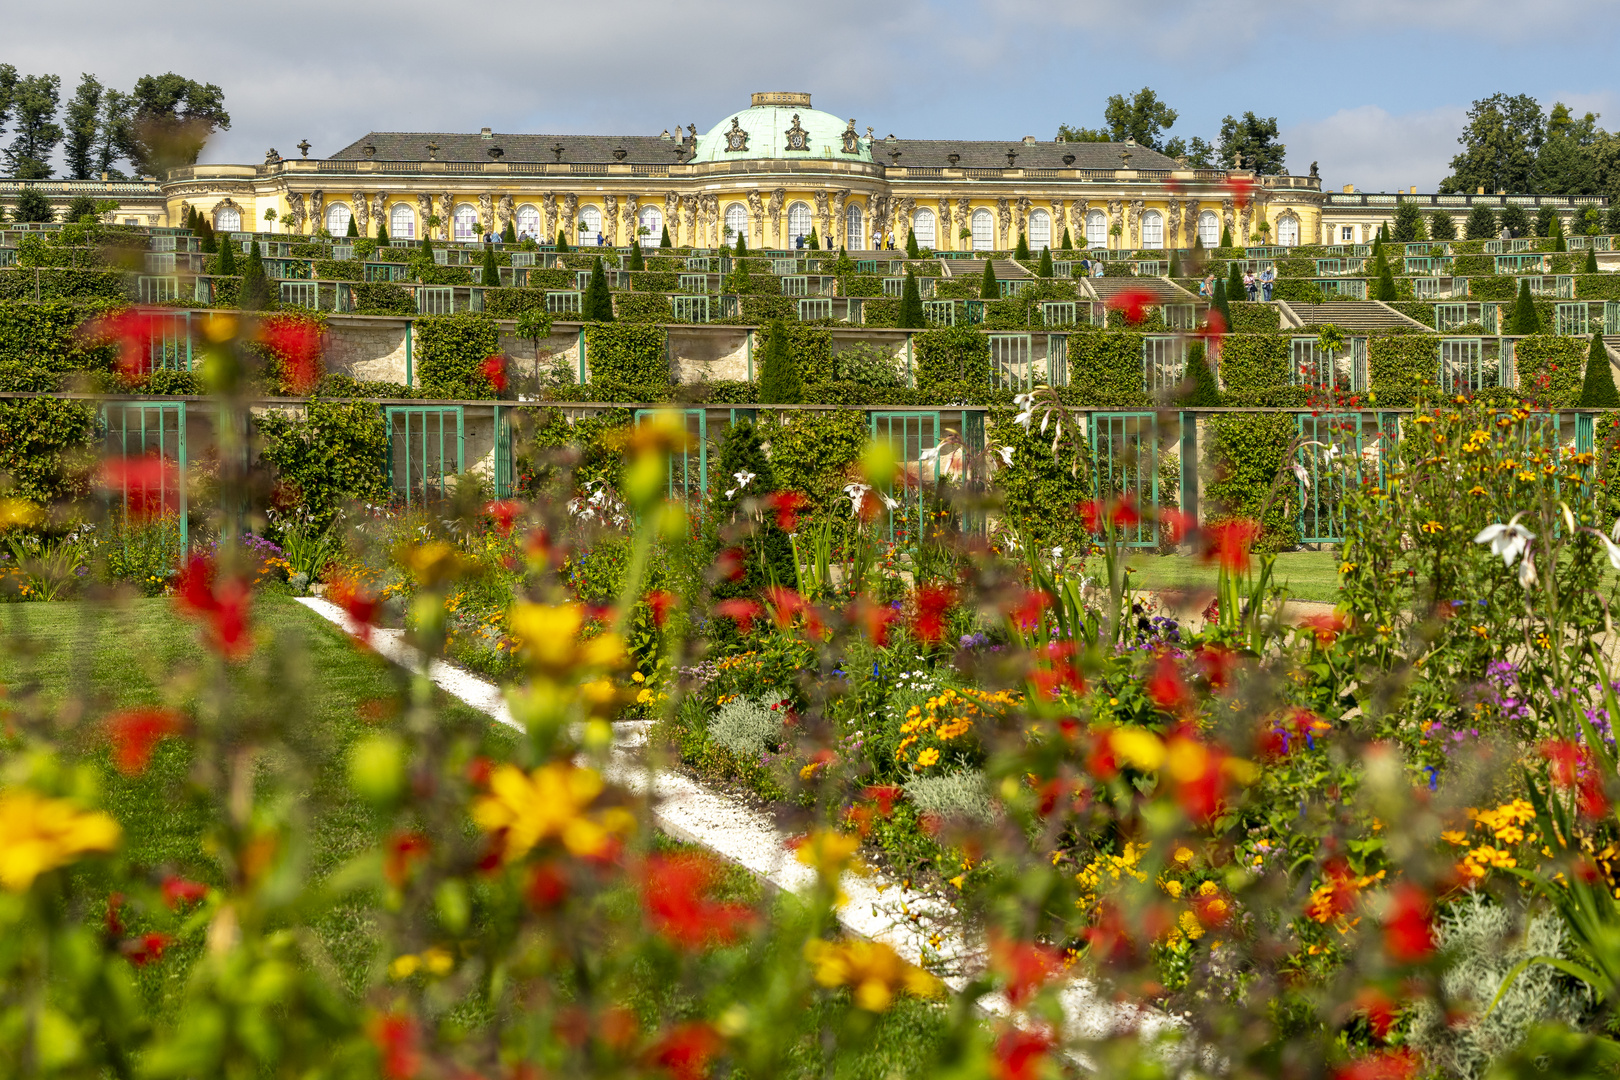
<point>1006,453</point>
<point>1304,477</point>
<point>1613,550</point>
<point>1614,532</point>
<point>890,502</point>
<point>929,455</point>
<point>743,479</point>
<point>1057,552</point>
<point>1527,572</point>
<point>1508,541</point>
<point>857,495</point>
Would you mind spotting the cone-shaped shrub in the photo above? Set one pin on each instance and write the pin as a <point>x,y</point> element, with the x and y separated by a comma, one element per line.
<point>597,303</point>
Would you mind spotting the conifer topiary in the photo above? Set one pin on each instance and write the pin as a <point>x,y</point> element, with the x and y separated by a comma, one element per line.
<point>663,237</point>
<point>227,258</point>
<point>562,241</point>
<point>427,248</point>
<point>492,271</point>
<point>742,244</point>
<point>597,303</point>
<point>382,234</point>
<point>1234,282</point>
<point>1524,319</point>
<point>509,234</point>
<point>1221,303</point>
<point>911,308</point>
<point>1591,266</point>
<point>1480,224</point>
<point>1066,244</point>
<point>988,289</point>
<point>1021,251</point>
<point>638,261</point>
<point>779,380</point>
<point>912,250</point>
<point>1386,281</point>
<point>1598,390</point>
<point>815,241</point>
<point>354,230</point>
<point>1045,268</point>
<point>1175,263</point>
<point>1226,236</point>
<point>255,294</point>
<point>1205,391</point>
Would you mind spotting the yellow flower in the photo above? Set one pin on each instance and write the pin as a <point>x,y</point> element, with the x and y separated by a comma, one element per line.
<point>433,563</point>
<point>874,970</point>
<point>1184,856</point>
<point>1142,749</point>
<point>638,677</point>
<point>1172,887</point>
<point>438,961</point>
<point>548,804</point>
<point>404,967</point>
<point>828,852</point>
<point>1191,926</point>
<point>20,512</point>
<point>1431,526</point>
<point>1455,837</point>
<point>1208,888</point>
<point>38,835</point>
<point>928,757</point>
<point>548,633</point>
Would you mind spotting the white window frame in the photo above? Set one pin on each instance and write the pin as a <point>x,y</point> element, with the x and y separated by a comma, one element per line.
<point>589,225</point>
<point>229,219</point>
<point>527,221</point>
<point>651,219</point>
<point>401,222</point>
<point>338,216</point>
<point>737,222</point>
<point>464,223</point>
<point>1347,234</point>
<point>983,225</point>
<point>800,221</point>
<point>1209,228</point>
<point>1096,229</point>
<point>1288,232</point>
<point>922,227</point>
<point>855,227</point>
<point>1152,230</point>
<point>1040,230</point>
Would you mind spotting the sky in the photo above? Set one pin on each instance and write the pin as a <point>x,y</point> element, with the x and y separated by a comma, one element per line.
<point>1375,91</point>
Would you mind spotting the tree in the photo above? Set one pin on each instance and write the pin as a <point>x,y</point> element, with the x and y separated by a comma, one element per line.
<point>382,229</point>
<point>8,90</point>
<point>115,133</point>
<point>509,234</point>
<point>1198,153</point>
<point>1523,320</point>
<point>1204,392</point>
<point>988,289</point>
<point>32,206</point>
<point>1500,143</point>
<point>1515,220</point>
<point>1066,244</point>
<point>427,248</point>
<point>255,295</point>
<point>33,104</point>
<point>597,303</point>
<point>83,120</point>
<point>1235,289</point>
<point>1142,117</point>
<point>1558,234</point>
<point>1226,236</point>
<point>227,258</point>
<point>171,119</point>
<point>80,207</point>
<point>912,250</point>
<point>1598,390</point>
<point>1065,133</point>
<point>562,241</point>
<point>663,237</point>
<point>1021,249</point>
<point>1222,303</point>
<point>911,308</point>
<point>1386,281</point>
<point>779,380</point>
<point>1408,220</point>
<point>1175,263</point>
<point>1591,266</point>
<point>1612,223</point>
<point>742,244</point>
<point>638,261</point>
<point>1256,140</point>
<point>744,474</point>
<point>1442,226</point>
<point>1045,267</point>
<point>815,241</point>
<point>354,228</point>
<point>492,272</point>
<point>1567,163</point>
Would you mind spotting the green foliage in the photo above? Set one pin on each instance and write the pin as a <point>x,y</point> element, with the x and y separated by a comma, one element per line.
<point>1400,366</point>
<point>911,308</point>
<point>814,243</point>
<point>337,453</point>
<point>1597,389</point>
<point>1105,368</point>
<point>597,303</point>
<point>46,449</point>
<point>809,349</point>
<point>952,355</point>
<point>1386,281</point>
<point>1496,287</point>
<point>812,453</point>
<point>1408,221</point>
<point>1516,220</point>
<point>1221,303</point>
<point>31,207</point>
<point>1226,236</point>
<point>638,261</point>
<point>491,275</point>
<point>770,553</point>
<point>1040,489</point>
<point>988,289</point>
<point>509,234</point>
<point>1256,317</point>
<point>1235,289</point>
<point>1551,369</point>
<point>627,353</point>
<point>1442,226</point>
<point>1523,320</point>
<point>1247,458</point>
<point>1067,244</point>
<point>543,432</point>
<point>1045,268</point>
<point>780,382</point>
<point>506,303</point>
<point>562,242</point>
<point>255,294</point>
<point>354,230</point>
<point>912,250</point>
<point>1253,364</point>
<point>1205,391</point>
<point>382,298</point>
<point>663,237</point>
<point>450,353</point>
<point>1020,250</point>
<point>1590,266</point>
<point>46,336</point>
<point>227,261</point>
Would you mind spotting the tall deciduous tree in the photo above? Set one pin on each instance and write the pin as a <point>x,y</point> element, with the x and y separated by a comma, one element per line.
<point>1256,140</point>
<point>1408,221</point>
<point>82,118</point>
<point>1142,117</point>
<point>1500,143</point>
<point>1481,223</point>
<point>1199,154</point>
<point>1568,163</point>
<point>36,134</point>
<point>172,118</point>
<point>115,133</point>
<point>1515,220</point>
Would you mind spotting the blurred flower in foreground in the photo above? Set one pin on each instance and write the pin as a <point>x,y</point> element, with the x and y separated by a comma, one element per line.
<point>223,604</point>
<point>872,969</point>
<point>39,834</point>
<point>134,732</point>
<point>672,894</point>
<point>524,811</point>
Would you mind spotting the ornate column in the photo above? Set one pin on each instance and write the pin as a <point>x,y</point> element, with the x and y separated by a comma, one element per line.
<point>943,236</point>
<point>756,207</point>
<point>317,211</point>
<point>711,213</point>
<point>486,212</point>
<point>1077,216</point>
<point>1135,228</point>
<point>424,210</point>
<point>964,214</point>
<point>357,207</point>
<point>877,213</point>
<point>631,211</point>
<point>1115,220</point>
<point>1226,218</point>
<point>1004,219</point>
<point>672,219</point>
<point>778,198</point>
<point>610,218</point>
<point>295,212</point>
<point>689,208</point>
<point>1059,226</point>
<point>1189,215</point>
<point>1021,218</point>
<point>379,209</point>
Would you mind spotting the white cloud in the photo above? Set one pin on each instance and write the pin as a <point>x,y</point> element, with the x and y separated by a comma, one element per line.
<point>1376,151</point>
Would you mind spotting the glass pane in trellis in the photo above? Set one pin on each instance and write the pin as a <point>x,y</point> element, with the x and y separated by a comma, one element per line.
<point>563,303</point>
<point>1059,313</point>
<point>690,308</point>
<point>151,431</point>
<point>435,299</point>
<point>1164,362</point>
<point>1011,360</point>
<point>1057,360</point>
<point>1570,320</point>
<point>1330,453</point>
<point>797,285</point>
<point>1125,465</point>
<point>810,310</point>
<point>1462,365</point>
<point>1449,316</point>
<point>425,451</point>
<point>935,312</point>
<point>908,435</point>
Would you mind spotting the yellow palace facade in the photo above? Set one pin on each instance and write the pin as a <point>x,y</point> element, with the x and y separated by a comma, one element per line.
<point>774,172</point>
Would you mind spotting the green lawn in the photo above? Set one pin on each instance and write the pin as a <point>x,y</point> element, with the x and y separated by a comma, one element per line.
<point>1304,575</point>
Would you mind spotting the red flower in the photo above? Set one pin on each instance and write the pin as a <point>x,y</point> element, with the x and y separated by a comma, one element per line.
<point>787,505</point>
<point>1564,759</point>
<point>885,795</point>
<point>740,610</point>
<point>547,887</point>
<point>1176,525</point>
<point>1026,614</point>
<point>732,564</point>
<point>297,342</point>
<point>403,849</point>
<point>1166,688</point>
<point>149,486</point>
<point>687,1050</point>
<point>224,604</point>
<point>395,1037</point>
<point>115,922</point>
<point>1384,1065</point>
<point>1327,628</point>
<point>178,891</point>
<point>1217,664</point>
<point>1059,671</point>
<point>1229,543</point>
<point>494,369</point>
<point>1380,1009</point>
<point>873,619</point>
<point>1240,188</point>
<point>1019,1054</point>
<point>1133,303</point>
<point>146,949</point>
<point>1197,771</point>
<point>1100,759</point>
<point>478,770</point>
<point>672,895</point>
<point>1124,513</point>
<point>660,603</point>
<point>785,603</point>
<point>134,732</point>
<point>134,330</point>
<point>360,606</point>
<point>504,512</point>
<point>1107,936</point>
<point>1026,967</point>
<point>1213,330</point>
<point>932,603</point>
<point>1408,931</point>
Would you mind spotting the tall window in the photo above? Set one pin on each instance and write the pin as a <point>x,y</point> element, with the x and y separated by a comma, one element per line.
<point>590,225</point>
<point>1040,230</point>
<point>528,220</point>
<point>229,219</point>
<point>853,225</point>
<point>922,227</point>
<point>1288,232</point>
<point>736,223</point>
<point>337,219</point>
<point>651,226</point>
<point>1152,229</point>
<point>466,222</point>
<point>1096,229</point>
<point>798,223</point>
<point>1209,228</point>
<point>402,222</point>
<point>983,226</point>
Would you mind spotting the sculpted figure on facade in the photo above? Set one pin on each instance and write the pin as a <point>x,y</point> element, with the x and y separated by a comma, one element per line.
<point>1172,225</point>
<point>1189,215</point>
<point>357,208</point>
<point>689,208</point>
<point>877,217</point>
<point>295,212</point>
<point>447,207</point>
<point>840,202</point>
<point>756,209</point>
<point>486,212</point>
<point>1116,217</point>
<point>905,212</point>
<point>1058,225</point>
<point>1244,218</point>
<point>571,214</point>
<point>1004,219</point>
<point>548,203</point>
<point>1226,219</point>
<point>964,214</point>
<point>824,215</point>
<point>507,208</point>
<point>317,207</point>
<point>1021,219</point>
<point>610,216</point>
<point>943,238</point>
<point>1077,216</point>
<point>672,204</point>
<point>379,209</point>
<point>1137,206</point>
<point>711,213</point>
<point>778,198</point>
<point>632,210</point>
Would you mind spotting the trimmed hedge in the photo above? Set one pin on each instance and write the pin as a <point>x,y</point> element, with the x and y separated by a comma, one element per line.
<point>1254,318</point>
<point>1252,364</point>
<point>46,335</point>
<point>47,448</point>
<point>1551,369</point>
<point>1421,310</point>
<point>1039,490</point>
<point>450,352</point>
<point>1246,456</point>
<point>632,353</point>
<point>1400,366</point>
<point>1296,291</point>
<point>335,454</point>
<point>809,348</point>
<point>1105,367</point>
<point>382,298</point>
<point>510,303</point>
<point>1493,287</point>
<point>957,354</point>
<point>1597,286</point>
<point>642,307</point>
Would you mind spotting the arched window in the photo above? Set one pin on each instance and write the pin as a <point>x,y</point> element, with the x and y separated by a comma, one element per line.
<point>922,227</point>
<point>650,226</point>
<point>402,222</point>
<point>854,227</point>
<point>1288,231</point>
<point>1096,229</point>
<point>1209,228</point>
<point>736,222</point>
<point>528,220</point>
<point>337,219</point>
<point>229,219</point>
<point>983,226</point>
<point>1040,230</point>
<point>590,225</point>
<point>1152,229</point>
<point>798,223</point>
<point>466,222</point>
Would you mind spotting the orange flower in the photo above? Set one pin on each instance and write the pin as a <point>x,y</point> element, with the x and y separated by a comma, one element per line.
<point>134,732</point>
<point>224,604</point>
<point>1229,542</point>
<point>1327,628</point>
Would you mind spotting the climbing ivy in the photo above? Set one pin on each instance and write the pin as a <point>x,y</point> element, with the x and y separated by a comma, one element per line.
<point>1246,458</point>
<point>336,453</point>
<point>631,353</point>
<point>450,354</point>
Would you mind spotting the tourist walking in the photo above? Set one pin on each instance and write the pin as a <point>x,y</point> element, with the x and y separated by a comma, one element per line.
<point>1268,276</point>
<point>1248,283</point>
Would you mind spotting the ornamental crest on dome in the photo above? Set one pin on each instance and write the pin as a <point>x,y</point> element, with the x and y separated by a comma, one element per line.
<point>736,138</point>
<point>852,140</point>
<point>797,137</point>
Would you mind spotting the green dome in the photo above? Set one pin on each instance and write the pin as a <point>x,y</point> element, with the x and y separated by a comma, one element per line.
<point>767,124</point>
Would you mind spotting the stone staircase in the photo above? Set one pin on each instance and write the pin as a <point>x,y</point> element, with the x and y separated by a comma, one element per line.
<point>1004,269</point>
<point>1356,316</point>
<point>1164,290</point>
